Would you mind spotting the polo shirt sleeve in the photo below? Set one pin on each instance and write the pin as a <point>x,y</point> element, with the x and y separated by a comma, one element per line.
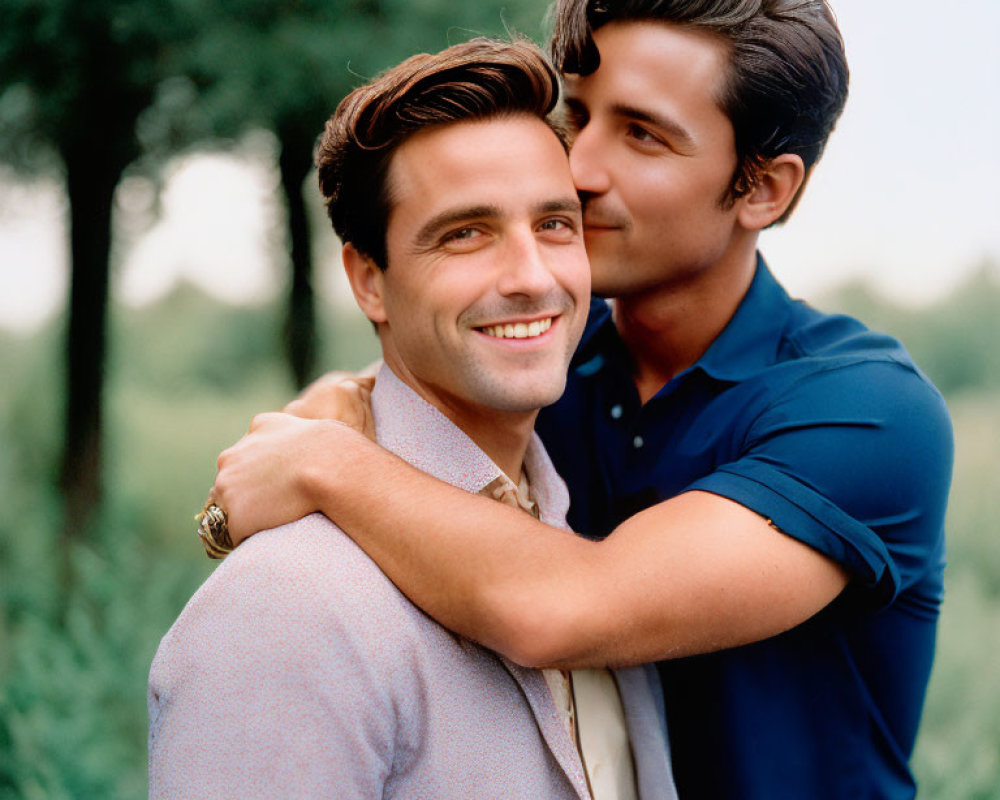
<point>855,461</point>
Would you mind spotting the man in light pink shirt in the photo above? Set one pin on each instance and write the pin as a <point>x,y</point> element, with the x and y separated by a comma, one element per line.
<point>298,669</point>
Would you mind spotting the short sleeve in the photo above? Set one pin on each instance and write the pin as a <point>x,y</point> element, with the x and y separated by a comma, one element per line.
<point>264,687</point>
<point>854,460</point>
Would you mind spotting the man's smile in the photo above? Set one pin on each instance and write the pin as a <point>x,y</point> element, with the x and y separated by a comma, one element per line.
<point>518,330</point>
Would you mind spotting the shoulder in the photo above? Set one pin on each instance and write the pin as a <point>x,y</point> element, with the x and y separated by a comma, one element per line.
<point>823,339</point>
<point>862,380</point>
<point>814,334</point>
<point>845,444</point>
<point>303,592</point>
<point>310,561</point>
<point>296,631</point>
<point>832,365</point>
<point>864,423</point>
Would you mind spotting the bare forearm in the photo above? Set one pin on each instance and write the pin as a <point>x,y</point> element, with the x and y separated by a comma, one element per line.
<point>487,571</point>
<point>691,575</point>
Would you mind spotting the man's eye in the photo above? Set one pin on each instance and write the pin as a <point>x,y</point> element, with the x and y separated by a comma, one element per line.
<point>558,227</point>
<point>640,134</point>
<point>462,235</point>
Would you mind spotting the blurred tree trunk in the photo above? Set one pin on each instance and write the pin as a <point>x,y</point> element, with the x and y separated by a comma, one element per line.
<point>295,162</point>
<point>90,185</point>
<point>96,142</point>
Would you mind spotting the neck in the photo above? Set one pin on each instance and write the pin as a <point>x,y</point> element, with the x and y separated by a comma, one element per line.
<point>668,328</point>
<point>502,435</point>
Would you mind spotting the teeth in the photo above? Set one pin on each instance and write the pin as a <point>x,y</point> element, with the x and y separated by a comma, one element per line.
<point>519,330</point>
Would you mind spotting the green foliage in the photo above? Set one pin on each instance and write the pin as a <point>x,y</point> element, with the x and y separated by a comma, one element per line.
<point>68,67</point>
<point>71,711</point>
<point>187,376</point>
<point>283,65</point>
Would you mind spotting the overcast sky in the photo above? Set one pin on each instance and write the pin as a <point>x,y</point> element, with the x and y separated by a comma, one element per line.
<point>906,195</point>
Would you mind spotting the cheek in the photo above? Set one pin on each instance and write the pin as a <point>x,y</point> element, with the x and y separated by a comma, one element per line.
<point>677,190</point>
<point>409,310</point>
<point>580,280</point>
<point>574,277</point>
<point>395,303</point>
<point>657,191</point>
<point>570,266</point>
<point>460,282</point>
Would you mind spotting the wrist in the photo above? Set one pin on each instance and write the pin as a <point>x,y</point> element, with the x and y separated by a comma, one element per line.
<point>322,477</point>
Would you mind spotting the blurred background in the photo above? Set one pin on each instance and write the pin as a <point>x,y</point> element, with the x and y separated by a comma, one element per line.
<point>166,272</point>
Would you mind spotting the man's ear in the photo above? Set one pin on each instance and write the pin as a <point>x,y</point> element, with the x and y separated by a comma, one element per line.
<point>367,282</point>
<point>777,187</point>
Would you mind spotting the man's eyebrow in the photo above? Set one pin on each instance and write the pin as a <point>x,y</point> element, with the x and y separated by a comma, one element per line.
<point>571,204</point>
<point>678,132</point>
<point>434,225</point>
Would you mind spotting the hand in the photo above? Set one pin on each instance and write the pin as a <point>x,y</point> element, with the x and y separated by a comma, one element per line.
<point>261,481</point>
<point>341,396</point>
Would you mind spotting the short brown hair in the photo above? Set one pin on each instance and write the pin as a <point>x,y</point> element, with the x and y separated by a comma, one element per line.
<point>787,79</point>
<point>479,79</point>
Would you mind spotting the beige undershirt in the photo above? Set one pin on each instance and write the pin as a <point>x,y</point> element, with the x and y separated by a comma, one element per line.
<point>587,700</point>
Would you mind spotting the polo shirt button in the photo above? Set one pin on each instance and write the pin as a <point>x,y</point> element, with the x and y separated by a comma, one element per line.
<point>638,442</point>
<point>616,411</point>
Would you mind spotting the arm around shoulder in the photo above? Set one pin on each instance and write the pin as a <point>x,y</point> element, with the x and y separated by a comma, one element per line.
<point>831,486</point>
<point>702,571</point>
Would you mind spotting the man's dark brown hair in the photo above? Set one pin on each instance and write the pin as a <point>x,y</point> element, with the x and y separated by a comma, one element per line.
<point>787,79</point>
<point>479,79</point>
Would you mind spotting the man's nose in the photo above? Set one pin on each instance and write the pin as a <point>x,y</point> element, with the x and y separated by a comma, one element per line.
<point>526,271</point>
<point>588,161</point>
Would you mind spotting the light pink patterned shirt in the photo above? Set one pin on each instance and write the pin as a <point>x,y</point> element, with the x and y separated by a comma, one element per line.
<point>298,670</point>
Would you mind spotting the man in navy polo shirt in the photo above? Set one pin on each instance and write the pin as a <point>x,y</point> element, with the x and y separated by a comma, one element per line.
<point>765,485</point>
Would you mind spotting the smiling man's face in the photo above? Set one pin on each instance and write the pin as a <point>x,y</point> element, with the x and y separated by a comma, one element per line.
<point>487,286</point>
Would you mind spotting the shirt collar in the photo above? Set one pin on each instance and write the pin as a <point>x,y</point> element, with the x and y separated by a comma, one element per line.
<point>749,342</point>
<point>752,337</point>
<point>421,435</point>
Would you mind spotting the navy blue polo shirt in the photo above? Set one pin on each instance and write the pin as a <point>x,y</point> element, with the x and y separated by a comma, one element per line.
<point>829,430</point>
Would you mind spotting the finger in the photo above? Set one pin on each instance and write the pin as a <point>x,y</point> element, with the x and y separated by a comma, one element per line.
<point>315,407</point>
<point>296,407</point>
<point>261,420</point>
